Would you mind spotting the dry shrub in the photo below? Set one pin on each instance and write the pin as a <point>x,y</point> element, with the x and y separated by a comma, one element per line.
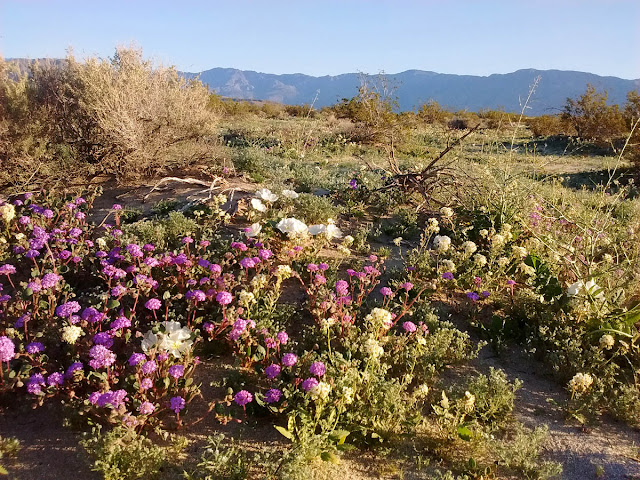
<point>146,117</point>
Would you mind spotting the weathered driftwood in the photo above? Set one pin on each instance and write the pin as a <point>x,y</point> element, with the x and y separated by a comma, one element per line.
<point>434,175</point>
<point>212,186</point>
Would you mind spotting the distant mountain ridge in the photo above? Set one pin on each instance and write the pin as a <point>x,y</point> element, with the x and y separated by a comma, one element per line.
<point>415,87</point>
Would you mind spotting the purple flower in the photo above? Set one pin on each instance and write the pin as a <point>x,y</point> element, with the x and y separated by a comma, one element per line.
<point>309,384</point>
<point>103,338</point>
<point>56,378</point>
<point>35,347</point>
<point>282,337</point>
<point>187,240</point>
<point>511,282</point>
<point>247,263</point>
<point>386,291</point>
<point>153,304</point>
<point>477,280</point>
<point>265,254</point>
<point>117,206</point>
<point>149,367</point>
<point>407,286</point>
<point>272,371</point>
<point>7,349</point>
<point>134,250</point>
<point>176,371</point>
<point>242,398</point>
<point>67,309</point>
<point>273,395</point>
<point>485,294</point>
<point>119,323</point>
<point>7,269</point>
<point>146,384</point>
<point>473,296</point>
<point>342,287</point>
<point>118,290</point>
<point>136,358</point>
<point>289,359</point>
<point>353,183</point>
<point>74,367</point>
<point>224,298</point>
<point>447,276</point>
<point>101,357</point>
<point>113,398</point>
<point>50,280</point>
<point>409,327</point>
<point>146,408</point>
<point>318,369</point>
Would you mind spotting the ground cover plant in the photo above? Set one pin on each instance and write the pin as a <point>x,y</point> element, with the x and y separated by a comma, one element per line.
<point>325,300</point>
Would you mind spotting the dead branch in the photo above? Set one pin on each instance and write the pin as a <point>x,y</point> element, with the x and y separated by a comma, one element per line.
<point>211,186</point>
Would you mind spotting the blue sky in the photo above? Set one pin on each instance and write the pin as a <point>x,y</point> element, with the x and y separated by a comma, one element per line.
<point>330,37</point>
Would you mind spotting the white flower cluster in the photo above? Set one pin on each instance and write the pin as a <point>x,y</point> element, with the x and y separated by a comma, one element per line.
<point>175,339</point>
<point>590,288</point>
<point>292,227</point>
<point>329,230</point>
<point>469,247</point>
<point>581,382</point>
<point>380,317</point>
<point>7,212</point>
<point>372,348</point>
<point>320,391</point>
<point>441,243</point>
<point>607,342</point>
<point>71,334</point>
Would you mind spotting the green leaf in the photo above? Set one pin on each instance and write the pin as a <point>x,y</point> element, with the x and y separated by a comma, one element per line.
<point>284,432</point>
<point>330,457</point>
<point>113,303</point>
<point>464,433</point>
<point>339,436</point>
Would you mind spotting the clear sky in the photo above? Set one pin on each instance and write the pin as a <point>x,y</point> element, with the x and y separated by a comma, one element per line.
<point>329,37</point>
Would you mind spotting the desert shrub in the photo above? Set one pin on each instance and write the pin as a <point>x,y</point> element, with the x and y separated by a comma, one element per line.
<point>220,462</point>
<point>432,112</point>
<point>546,125</point>
<point>521,450</point>
<point>314,209</point>
<point>592,119</point>
<point>123,454</point>
<point>457,123</point>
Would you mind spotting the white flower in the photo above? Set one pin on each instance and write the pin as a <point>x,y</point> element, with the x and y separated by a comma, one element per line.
<point>397,241</point>
<point>327,323</point>
<point>519,252</point>
<point>575,288</point>
<point>149,340</point>
<point>253,230</point>
<point>320,391</point>
<point>348,241</point>
<point>381,317</point>
<point>469,247</point>
<point>580,382</point>
<point>433,226</point>
<point>469,401</point>
<point>373,348</point>
<point>71,334</point>
<point>607,342</point>
<point>480,260</point>
<point>449,266</point>
<point>348,394</point>
<point>266,195</point>
<point>422,391</point>
<point>607,258</point>
<point>290,194</point>
<point>258,205</point>
<point>497,240</point>
<point>344,250</point>
<point>284,271</point>
<point>526,269</point>
<point>7,212</point>
<point>446,212</point>
<point>246,298</point>
<point>292,226</point>
<point>333,232</point>
<point>503,262</point>
<point>594,290</point>
<point>102,243</point>
<point>175,339</point>
<point>441,243</point>
<point>317,229</point>
<point>484,232</point>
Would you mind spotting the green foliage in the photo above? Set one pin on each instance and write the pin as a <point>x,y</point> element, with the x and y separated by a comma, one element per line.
<point>123,454</point>
<point>495,396</point>
<point>314,209</point>
<point>521,453</point>
<point>220,462</point>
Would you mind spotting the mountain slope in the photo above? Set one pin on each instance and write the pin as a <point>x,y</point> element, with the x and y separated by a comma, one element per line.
<point>414,87</point>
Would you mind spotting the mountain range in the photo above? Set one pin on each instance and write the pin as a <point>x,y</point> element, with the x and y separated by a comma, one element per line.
<point>415,87</point>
